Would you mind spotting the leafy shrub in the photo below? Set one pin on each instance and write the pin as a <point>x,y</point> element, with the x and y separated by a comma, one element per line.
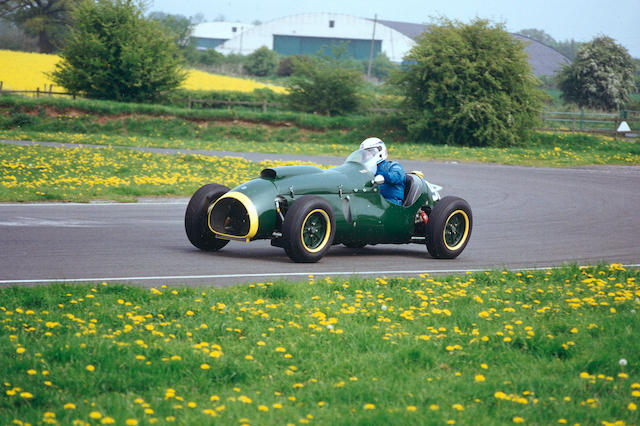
<point>114,52</point>
<point>262,62</point>
<point>469,84</point>
<point>323,84</point>
<point>601,77</point>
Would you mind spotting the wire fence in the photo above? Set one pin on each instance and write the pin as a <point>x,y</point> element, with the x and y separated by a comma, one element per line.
<point>557,121</point>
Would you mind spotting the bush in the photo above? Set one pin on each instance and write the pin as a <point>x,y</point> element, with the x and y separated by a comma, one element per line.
<point>262,62</point>
<point>601,77</point>
<point>469,84</point>
<point>114,52</point>
<point>324,84</point>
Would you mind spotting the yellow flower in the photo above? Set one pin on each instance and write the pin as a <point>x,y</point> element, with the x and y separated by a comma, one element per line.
<point>632,407</point>
<point>26,395</point>
<point>107,421</point>
<point>369,407</point>
<point>457,407</point>
<point>411,408</point>
<point>434,407</point>
<point>205,366</point>
<point>479,378</point>
<point>69,406</point>
<point>263,408</point>
<point>518,419</point>
<point>95,415</point>
<point>90,367</point>
<point>131,422</point>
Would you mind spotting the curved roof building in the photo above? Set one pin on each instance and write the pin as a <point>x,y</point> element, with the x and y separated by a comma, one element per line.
<point>309,33</point>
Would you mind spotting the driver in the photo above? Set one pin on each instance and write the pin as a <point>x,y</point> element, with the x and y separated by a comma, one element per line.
<point>393,187</point>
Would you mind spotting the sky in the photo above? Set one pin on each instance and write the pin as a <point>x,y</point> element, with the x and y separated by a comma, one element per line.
<point>581,20</point>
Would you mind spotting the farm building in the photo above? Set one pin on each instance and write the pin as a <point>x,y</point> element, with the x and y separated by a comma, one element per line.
<point>308,33</point>
<point>209,35</point>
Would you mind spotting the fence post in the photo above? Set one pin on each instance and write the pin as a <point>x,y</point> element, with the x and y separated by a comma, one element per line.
<point>189,102</point>
<point>37,92</point>
<point>581,118</point>
<point>50,89</point>
<point>264,106</point>
<point>1,85</point>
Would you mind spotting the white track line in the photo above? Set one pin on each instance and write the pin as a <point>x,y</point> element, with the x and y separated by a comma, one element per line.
<point>274,274</point>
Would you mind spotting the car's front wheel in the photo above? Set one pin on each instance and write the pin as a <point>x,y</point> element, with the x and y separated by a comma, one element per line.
<point>196,218</point>
<point>449,228</point>
<point>308,229</point>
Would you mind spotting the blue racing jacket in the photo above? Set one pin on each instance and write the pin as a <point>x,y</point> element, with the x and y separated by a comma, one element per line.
<point>393,187</point>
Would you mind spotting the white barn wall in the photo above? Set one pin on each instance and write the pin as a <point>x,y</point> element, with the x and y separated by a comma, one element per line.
<point>394,44</point>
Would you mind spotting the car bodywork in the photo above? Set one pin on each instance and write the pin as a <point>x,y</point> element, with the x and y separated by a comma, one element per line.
<point>345,207</point>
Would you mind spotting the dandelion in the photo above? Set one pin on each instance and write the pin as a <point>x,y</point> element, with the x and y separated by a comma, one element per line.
<point>622,362</point>
<point>434,407</point>
<point>479,378</point>
<point>107,421</point>
<point>131,422</point>
<point>205,366</point>
<point>90,368</point>
<point>26,395</point>
<point>632,406</point>
<point>411,408</point>
<point>457,407</point>
<point>369,406</point>
<point>69,406</point>
<point>518,419</point>
<point>95,415</point>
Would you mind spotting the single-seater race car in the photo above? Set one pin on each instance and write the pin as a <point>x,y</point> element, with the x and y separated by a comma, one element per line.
<point>305,210</point>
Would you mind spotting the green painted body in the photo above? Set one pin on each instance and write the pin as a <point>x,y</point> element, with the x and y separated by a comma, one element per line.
<point>362,215</point>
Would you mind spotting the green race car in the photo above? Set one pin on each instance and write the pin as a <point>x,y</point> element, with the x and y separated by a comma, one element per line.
<point>306,210</point>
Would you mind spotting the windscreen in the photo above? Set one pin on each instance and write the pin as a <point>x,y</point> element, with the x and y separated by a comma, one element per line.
<point>364,157</point>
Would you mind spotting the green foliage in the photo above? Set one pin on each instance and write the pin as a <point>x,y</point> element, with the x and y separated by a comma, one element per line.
<point>44,19</point>
<point>114,52</point>
<point>14,38</point>
<point>262,62</point>
<point>601,77</point>
<point>381,66</point>
<point>469,84</point>
<point>325,84</point>
<point>495,347</point>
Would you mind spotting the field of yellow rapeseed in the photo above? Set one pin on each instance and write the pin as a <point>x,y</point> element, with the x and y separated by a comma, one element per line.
<point>28,71</point>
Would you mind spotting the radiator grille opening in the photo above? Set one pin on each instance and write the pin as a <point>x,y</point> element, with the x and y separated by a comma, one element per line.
<point>230,217</point>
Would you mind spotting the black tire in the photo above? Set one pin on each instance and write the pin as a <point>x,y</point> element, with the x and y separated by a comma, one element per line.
<point>449,228</point>
<point>196,217</point>
<point>308,229</point>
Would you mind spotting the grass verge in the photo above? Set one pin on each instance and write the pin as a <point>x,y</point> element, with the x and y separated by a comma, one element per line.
<point>541,347</point>
<point>38,173</point>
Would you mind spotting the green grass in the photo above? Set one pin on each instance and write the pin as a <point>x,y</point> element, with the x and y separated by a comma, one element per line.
<point>39,173</point>
<point>488,348</point>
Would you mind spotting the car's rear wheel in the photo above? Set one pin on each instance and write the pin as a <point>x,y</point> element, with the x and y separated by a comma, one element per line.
<point>308,229</point>
<point>449,228</point>
<point>196,216</point>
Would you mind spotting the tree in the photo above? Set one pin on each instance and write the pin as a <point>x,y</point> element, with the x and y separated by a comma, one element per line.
<point>44,19</point>
<point>114,52</point>
<point>179,26</point>
<point>381,66</point>
<point>468,84</point>
<point>601,77</point>
<point>262,62</point>
<point>325,84</point>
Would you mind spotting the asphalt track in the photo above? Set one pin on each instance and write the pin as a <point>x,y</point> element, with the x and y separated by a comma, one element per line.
<point>524,217</point>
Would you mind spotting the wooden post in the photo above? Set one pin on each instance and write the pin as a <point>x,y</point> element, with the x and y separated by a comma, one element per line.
<point>264,106</point>
<point>50,89</point>
<point>189,102</point>
<point>37,92</point>
<point>1,85</point>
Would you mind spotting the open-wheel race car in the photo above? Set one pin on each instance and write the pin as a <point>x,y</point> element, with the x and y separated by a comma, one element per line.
<point>305,210</point>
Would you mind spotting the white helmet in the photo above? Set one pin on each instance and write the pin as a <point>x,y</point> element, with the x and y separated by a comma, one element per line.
<point>376,147</point>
